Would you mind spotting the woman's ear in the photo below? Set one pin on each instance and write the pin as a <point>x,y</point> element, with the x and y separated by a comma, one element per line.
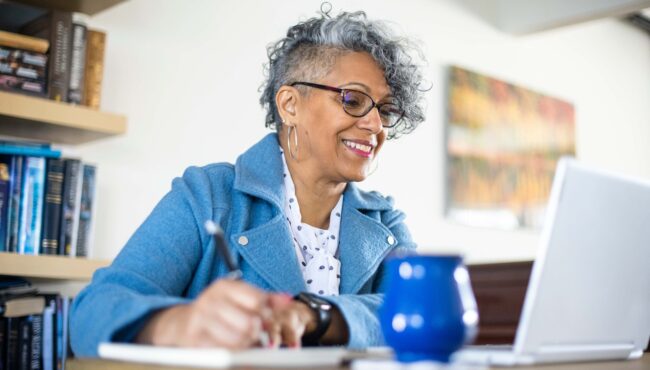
<point>286,100</point>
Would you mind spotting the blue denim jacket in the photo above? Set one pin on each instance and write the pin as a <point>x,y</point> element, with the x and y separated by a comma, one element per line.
<point>170,259</point>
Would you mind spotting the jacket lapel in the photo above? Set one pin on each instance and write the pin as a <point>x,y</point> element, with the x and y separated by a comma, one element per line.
<point>268,249</point>
<point>364,240</point>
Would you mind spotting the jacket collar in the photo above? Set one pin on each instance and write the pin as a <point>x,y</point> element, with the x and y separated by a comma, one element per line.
<point>360,253</point>
<point>254,175</point>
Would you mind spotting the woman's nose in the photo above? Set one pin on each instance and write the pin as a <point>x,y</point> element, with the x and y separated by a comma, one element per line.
<point>371,121</point>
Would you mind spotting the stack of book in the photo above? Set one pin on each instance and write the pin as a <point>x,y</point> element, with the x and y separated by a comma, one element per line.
<point>56,56</point>
<point>46,202</point>
<point>33,327</point>
<point>23,63</point>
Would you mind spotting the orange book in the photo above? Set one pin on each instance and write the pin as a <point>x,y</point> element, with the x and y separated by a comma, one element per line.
<point>16,41</point>
<point>95,47</point>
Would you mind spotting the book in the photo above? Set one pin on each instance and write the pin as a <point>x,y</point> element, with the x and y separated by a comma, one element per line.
<point>223,358</point>
<point>72,181</point>
<point>87,201</point>
<point>52,206</point>
<point>22,306</point>
<point>31,59</point>
<point>5,176</point>
<point>31,205</point>
<point>20,63</point>
<point>36,342</point>
<point>28,150</point>
<point>22,85</point>
<point>94,73</point>
<point>13,215</point>
<point>24,42</point>
<point>77,58</point>
<point>56,27</point>
<point>49,332</point>
<point>24,343</point>
<point>11,347</point>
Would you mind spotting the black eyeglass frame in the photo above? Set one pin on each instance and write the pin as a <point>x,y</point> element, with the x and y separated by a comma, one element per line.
<point>342,92</point>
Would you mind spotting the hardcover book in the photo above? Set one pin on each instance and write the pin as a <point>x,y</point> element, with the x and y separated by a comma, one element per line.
<point>55,26</point>
<point>77,58</point>
<point>95,47</point>
<point>52,207</point>
<point>31,205</point>
<point>13,215</point>
<point>5,177</point>
<point>86,210</point>
<point>70,207</point>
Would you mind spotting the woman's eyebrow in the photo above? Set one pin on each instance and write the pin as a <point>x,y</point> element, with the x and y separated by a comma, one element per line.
<point>364,87</point>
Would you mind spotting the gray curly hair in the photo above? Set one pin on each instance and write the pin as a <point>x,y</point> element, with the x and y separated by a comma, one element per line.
<point>310,49</point>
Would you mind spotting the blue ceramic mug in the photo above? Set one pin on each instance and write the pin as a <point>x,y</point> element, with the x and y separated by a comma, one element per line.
<point>429,309</point>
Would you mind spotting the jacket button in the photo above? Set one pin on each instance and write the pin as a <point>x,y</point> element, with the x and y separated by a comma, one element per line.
<point>390,240</point>
<point>242,240</point>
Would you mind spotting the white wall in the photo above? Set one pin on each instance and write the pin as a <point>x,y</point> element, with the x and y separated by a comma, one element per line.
<point>186,74</point>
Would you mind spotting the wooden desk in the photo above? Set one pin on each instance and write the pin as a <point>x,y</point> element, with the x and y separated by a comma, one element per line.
<point>641,364</point>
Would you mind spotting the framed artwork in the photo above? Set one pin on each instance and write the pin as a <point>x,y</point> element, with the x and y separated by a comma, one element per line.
<point>503,142</point>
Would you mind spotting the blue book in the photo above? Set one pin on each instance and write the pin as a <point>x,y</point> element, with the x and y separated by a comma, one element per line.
<point>5,177</point>
<point>28,150</point>
<point>31,205</point>
<point>13,216</point>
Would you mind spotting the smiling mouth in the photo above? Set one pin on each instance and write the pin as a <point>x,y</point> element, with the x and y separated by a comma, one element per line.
<point>361,148</point>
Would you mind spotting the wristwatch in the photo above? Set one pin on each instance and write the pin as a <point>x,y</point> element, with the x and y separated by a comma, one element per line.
<point>323,310</point>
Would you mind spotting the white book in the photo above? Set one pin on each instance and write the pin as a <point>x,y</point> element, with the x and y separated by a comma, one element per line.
<point>223,358</point>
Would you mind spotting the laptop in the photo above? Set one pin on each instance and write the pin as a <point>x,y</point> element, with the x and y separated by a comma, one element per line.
<point>588,296</point>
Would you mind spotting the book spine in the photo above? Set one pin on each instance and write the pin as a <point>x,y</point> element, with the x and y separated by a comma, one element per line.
<point>94,74</point>
<point>77,58</point>
<point>31,205</point>
<point>49,332</point>
<point>86,210</point>
<point>36,342</point>
<point>52,206</point>
<point>60,53</point>
<point>24,343</point>
<point>69,209</point>
<point>5,177</point>
<point>13,217</point>
<point>26,150</point>
<point>11,361</point>
<point>22,85</point>
<point>18,41</point>
<point>3,342</point>
<point>33,60</point>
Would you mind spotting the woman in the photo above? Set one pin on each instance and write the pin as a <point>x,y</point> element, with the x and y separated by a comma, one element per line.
<point>337,88</point>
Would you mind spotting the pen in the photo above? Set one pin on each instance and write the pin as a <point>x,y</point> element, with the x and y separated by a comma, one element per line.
<point>234,272</point>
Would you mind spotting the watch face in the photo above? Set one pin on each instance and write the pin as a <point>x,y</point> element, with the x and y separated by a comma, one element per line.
<point>316,302</point>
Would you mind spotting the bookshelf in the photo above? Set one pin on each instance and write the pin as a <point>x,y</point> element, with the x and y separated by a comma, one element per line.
<point>89,7</point>
<point>49,267</point>
<point>42,119</point>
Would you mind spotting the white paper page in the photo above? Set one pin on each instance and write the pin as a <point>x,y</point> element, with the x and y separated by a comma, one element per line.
<point>221,358</point>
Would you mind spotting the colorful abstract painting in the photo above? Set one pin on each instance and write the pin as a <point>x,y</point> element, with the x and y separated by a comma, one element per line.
<point>503,143</point>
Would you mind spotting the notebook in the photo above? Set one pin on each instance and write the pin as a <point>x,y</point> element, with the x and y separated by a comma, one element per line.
<point>588,296</point>
<point>222,358</point>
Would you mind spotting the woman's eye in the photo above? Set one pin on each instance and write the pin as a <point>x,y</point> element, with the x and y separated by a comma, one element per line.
<point>352,100</point>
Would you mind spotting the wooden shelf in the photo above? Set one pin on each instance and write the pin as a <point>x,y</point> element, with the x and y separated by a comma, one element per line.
<point>42,119</point>
<point>89,7</point>
<point>49,267</point>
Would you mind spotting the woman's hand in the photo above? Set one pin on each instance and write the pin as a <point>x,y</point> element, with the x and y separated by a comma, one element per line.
<point>289,322</point>
<point>227,314</point>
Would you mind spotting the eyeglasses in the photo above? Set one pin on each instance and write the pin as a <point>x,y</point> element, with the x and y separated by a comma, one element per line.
<point>358,104</point>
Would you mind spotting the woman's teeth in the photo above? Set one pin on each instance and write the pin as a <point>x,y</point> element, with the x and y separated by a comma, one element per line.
<point>357,146</point>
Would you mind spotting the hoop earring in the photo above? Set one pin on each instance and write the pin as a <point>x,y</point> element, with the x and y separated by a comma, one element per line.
<point>376,162</point>
<point>289,142</point>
